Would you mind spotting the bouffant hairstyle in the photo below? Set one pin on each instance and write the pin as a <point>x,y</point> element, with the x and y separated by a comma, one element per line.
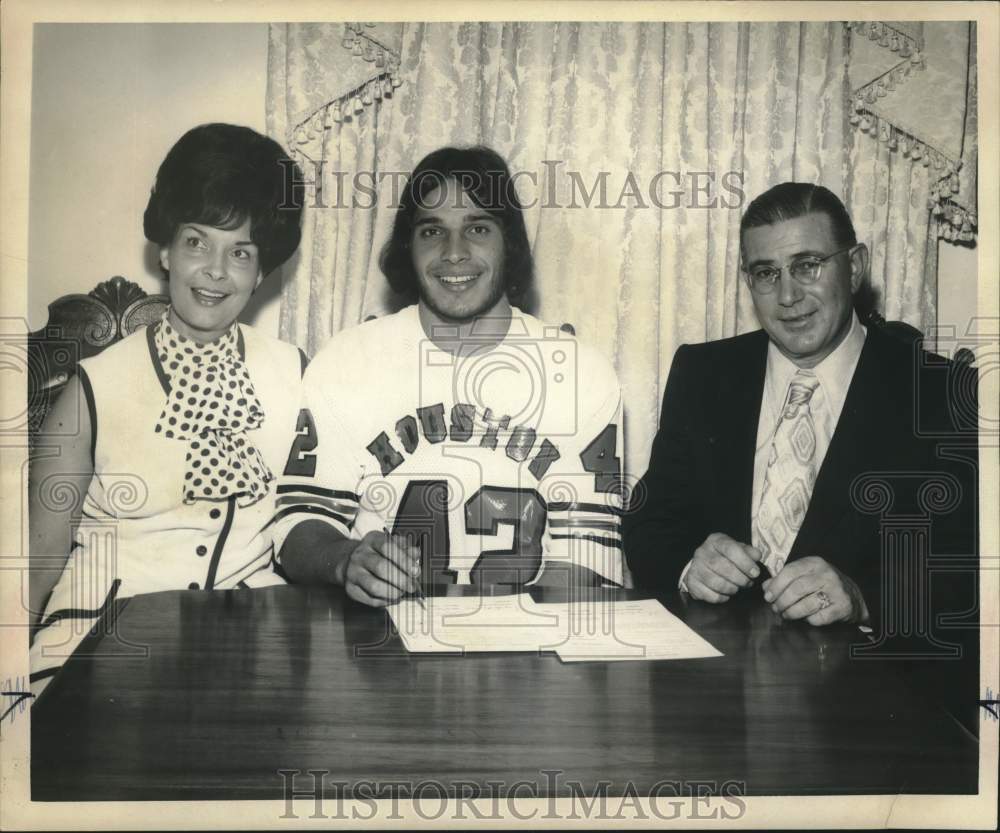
<point>222,175</point>
<point>484,176</point>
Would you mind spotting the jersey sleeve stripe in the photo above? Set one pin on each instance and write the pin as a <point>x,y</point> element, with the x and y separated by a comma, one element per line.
<point>584,507</point>
<point>606,526</point>
<point>597,539</point>
<point>299,509</point>
<point>292,488</point>
<point>343,507</point>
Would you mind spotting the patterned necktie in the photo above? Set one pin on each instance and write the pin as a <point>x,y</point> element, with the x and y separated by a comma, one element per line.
<point>791,473</point>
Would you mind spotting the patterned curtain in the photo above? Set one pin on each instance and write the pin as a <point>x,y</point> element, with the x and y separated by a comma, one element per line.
<point>913,155</point>
<point>323,83</point>
<point>637,146</point>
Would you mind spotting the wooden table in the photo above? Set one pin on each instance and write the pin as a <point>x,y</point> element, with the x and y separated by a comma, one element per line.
<point>208,695</point>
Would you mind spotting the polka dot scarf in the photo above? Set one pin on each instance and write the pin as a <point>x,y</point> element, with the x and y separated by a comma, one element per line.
<point>211,406</point>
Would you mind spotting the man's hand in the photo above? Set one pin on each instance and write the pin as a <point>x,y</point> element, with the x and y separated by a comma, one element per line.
<point>813,589</point>
<point>380,569</point>
<point>720,567</point>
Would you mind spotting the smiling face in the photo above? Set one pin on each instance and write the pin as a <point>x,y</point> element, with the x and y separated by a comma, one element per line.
<point>807,323</point>
<point>213,273</point>
<point>458,253</point>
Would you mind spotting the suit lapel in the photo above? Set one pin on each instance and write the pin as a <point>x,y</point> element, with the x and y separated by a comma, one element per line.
<point>852,449</point>
<point>738,394</point>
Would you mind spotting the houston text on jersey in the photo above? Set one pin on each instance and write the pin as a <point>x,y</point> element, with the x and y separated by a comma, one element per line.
<point>463,424</point>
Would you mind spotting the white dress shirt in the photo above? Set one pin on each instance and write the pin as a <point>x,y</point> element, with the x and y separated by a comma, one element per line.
<point>834,373</point>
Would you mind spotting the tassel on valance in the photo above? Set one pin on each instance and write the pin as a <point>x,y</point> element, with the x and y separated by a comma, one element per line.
<point>361,44</point>
<point>925,120</point>
<point>343,69</point>
<point>890,37</point>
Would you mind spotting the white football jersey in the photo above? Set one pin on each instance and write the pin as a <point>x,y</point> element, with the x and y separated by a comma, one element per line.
<point>495,461</point>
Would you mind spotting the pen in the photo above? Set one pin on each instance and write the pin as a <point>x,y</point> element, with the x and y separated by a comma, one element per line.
<point>419,593</point>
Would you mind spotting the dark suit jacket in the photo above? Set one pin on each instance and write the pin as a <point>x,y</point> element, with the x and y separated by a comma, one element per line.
<point>909,417</point>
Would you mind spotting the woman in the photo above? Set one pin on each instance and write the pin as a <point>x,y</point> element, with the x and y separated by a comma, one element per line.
<point>163,450</point>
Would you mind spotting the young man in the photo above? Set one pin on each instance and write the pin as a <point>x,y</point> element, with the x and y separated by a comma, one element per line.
<point>459,440</point>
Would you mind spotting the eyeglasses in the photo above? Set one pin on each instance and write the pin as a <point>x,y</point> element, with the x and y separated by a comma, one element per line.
<point>805,270</point>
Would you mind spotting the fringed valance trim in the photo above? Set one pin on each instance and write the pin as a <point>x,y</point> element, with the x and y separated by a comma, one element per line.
<point>888,81</point>
<point>344,108</point>
<point>890,37</point>
<point>337,111</point>
<point>906,143</point>
<point>954,223</point>
<point>362,45</point>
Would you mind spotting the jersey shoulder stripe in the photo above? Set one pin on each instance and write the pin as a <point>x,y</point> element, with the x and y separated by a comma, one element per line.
<point>563,506</point>
<point>607,526</point>
<point>321,511</point>
<point>296,488</point>
<point>616,543</point>
<point>341,507</point>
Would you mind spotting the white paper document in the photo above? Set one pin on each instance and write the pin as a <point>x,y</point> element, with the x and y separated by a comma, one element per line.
<point>602,630</point>
<point>629,630</point>
<point>474,623</point>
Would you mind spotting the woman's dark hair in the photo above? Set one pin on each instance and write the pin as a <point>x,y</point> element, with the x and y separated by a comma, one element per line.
<point>484,176</point>
<point>222,175</point>
<point>791,200</point>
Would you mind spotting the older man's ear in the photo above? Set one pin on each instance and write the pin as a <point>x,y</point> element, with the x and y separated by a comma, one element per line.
<point>859,266</point>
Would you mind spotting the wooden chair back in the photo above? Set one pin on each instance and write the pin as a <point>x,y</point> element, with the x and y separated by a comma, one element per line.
<point>81,326</point>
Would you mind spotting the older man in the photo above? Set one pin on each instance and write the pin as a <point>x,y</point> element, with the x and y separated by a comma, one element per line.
<point>766,440</point>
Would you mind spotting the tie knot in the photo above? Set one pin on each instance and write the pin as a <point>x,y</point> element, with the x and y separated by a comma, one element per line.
<point>800,391</point>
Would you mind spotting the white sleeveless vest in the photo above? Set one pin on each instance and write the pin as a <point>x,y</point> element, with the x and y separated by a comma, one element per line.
<point>136,535</point>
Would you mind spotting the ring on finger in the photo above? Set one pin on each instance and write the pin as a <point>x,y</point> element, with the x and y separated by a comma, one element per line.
<point>824,599</point>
